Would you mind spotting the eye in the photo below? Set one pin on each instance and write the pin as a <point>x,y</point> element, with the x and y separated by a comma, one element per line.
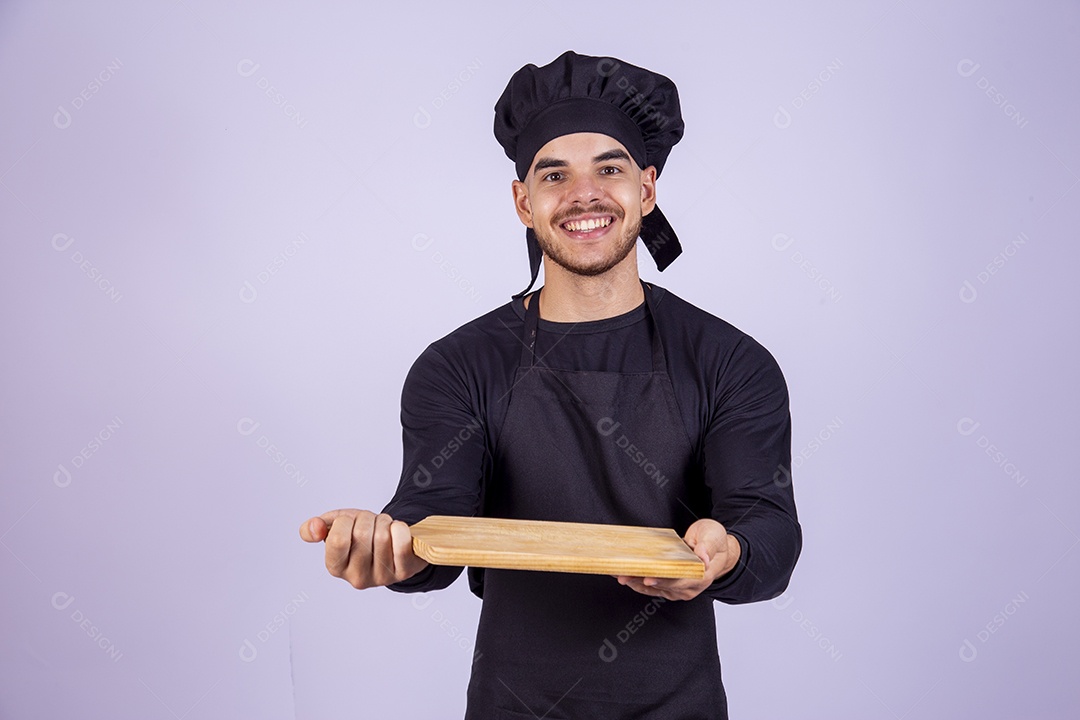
<point>614,170</point>
<point>552,176</point>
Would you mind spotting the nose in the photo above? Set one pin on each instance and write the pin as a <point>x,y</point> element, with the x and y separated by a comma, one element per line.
<point>584,189</point>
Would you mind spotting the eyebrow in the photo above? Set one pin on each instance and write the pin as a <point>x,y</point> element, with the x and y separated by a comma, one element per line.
<point>550,162</point>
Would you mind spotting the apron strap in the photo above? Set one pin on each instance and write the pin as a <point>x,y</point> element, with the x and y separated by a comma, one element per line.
<point>659,360</point>
<point>532,321</point>
<point>528,337</point>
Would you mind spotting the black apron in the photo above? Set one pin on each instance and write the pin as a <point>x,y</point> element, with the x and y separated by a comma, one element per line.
<point>598,447</point>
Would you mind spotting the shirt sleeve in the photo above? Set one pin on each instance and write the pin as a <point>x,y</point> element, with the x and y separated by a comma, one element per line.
<point>747,467</point>
<point>444,453</point>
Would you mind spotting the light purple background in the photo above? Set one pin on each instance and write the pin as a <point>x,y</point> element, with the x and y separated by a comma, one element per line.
<point>847,192</point>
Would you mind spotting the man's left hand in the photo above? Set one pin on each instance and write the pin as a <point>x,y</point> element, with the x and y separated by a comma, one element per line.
<point>710,541</point>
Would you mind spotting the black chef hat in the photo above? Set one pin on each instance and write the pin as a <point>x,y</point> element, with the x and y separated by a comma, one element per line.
<point>580,93</point>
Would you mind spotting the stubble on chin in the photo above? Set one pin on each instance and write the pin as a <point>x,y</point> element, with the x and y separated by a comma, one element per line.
<point>562,255</point>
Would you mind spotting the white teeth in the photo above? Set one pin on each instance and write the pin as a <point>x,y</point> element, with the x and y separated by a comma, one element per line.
<point>587,225</point>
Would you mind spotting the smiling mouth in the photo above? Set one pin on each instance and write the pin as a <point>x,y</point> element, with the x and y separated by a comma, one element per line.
<point>588,226</point>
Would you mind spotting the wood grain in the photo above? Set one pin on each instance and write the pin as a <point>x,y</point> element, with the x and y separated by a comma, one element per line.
<point>555,546</point>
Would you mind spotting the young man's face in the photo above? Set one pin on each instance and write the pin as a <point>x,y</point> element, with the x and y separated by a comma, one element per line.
<point>584,197</point>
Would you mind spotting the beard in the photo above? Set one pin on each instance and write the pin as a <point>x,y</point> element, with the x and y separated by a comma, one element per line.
<point>562,253</point>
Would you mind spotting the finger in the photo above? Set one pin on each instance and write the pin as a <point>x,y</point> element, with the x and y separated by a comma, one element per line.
<point>637,584</point>
<point>339,545</point>
<point>382,551</point>
<point>358,573</point>
<point>648,581</point>
<point>332,515</point>
<point>666,584</point>
<point>667,588</point>
<point>313,530</point>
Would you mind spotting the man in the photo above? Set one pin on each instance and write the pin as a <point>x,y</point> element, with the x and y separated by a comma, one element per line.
<point>598,398</point>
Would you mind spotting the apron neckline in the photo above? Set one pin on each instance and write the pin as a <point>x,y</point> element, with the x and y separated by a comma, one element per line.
<point>532,323</point>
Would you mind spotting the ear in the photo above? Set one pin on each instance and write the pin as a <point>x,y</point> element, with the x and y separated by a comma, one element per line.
<point>648,190</point>
<point>521,202</point>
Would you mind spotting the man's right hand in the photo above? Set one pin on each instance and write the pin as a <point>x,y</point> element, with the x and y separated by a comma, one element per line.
<point>364,549</point>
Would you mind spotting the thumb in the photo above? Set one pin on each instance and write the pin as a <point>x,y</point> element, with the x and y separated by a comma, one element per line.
<point>317,528</point>
<point>314,530</point>
<point>702,552</point>
<point>705,538</point>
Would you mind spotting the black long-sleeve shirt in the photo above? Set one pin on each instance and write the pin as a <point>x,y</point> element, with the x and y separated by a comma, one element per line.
<point>731,395</point>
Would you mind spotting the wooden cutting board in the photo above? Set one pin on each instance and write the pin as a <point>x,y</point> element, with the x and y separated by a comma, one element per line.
<point>555,546</point>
